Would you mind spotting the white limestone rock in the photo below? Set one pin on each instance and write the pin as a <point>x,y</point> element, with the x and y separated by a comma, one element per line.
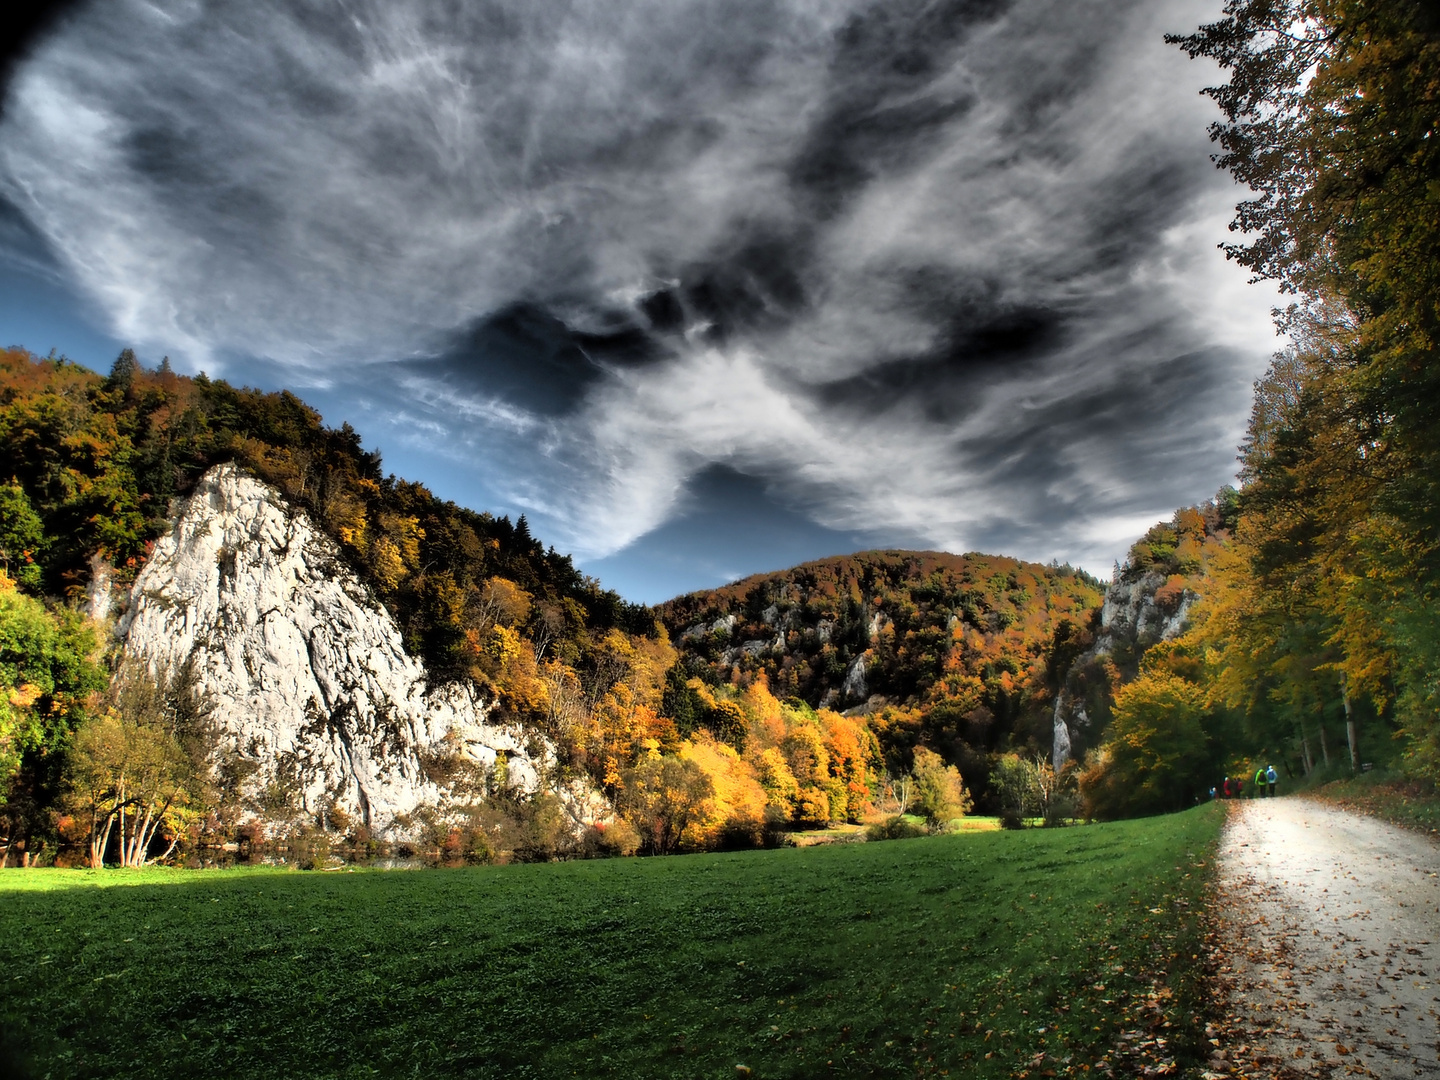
<point>722,627</point>
<point>1060,746</point>
<point>100,593</point>
<point>307,672</point>
<point>1130,619</point>
<point>854,688</point>
<point>1131,615</point>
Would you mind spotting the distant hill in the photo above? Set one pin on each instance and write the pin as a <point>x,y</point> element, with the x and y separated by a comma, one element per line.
<point>960,652</point>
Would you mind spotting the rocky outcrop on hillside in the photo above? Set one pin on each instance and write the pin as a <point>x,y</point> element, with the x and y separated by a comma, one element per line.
<point>307,675</point>
<point>1139,611</point>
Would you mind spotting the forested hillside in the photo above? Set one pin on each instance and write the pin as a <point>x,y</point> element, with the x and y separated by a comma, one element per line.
<point>958,653</point>
<point>95,464</point>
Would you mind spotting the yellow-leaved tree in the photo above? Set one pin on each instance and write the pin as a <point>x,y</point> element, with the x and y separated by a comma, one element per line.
<point>734,816</point>
<point>938,790</point>
<point>1155,754</point>
<point>139,773</point>
<point>666,798</point>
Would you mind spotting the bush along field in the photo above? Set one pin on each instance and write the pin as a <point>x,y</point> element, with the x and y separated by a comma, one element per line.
<point>1040,953</point>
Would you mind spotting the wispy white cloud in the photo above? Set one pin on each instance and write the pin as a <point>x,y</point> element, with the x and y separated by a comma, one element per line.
<point>940,269</point>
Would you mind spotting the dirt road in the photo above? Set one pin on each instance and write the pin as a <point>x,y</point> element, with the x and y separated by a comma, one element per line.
<point>1329,944</point>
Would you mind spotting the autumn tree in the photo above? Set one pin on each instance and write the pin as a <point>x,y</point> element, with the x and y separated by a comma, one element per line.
<point>22,537</point>
<point>853,753</point>
<point>664,798</point>
<point>1330,114</point>
<point>781,789</point>
<point>1029,787</point>
<point>809,763</point>
<point>734,815</point>
<point>1155,754</point>
<point>938,792</point>
<point>1017,789</point>
<point>1330,118</point>
<point>47,673</point>
<point>139,772</point>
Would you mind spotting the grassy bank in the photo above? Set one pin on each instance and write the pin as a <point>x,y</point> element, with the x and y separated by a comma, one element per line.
<point>991,954</point>
<point>1413,804</point>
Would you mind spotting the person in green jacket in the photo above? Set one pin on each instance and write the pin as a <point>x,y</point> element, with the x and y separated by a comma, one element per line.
<point>1259,783</point>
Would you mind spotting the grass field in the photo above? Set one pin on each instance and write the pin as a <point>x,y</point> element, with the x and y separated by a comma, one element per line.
<point>1045,952</point>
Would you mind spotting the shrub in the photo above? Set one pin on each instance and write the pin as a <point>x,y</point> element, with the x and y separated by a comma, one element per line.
<point>894,828</point>
<point>607,840</point>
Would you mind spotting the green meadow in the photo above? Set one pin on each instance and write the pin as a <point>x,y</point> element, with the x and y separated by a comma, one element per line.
<point>1043,952</point>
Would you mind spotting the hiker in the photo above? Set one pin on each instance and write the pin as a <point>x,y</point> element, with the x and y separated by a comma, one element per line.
<point>1270,777</point>
<point>1227,787</point>
<point>1259,784</point>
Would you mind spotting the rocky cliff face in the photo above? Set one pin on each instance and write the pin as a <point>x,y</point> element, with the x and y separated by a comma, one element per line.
<point>1134,616</point>
<point>1138,612</point>
<point>307,674</point>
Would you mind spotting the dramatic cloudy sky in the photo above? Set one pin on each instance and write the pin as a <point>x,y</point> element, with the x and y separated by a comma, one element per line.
<point>703,287</point>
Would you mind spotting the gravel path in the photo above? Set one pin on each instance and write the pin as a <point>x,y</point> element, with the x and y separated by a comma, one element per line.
<point>1329,944</point>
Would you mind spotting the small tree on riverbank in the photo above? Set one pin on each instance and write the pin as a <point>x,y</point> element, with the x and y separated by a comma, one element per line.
<point>938,790</point>
<point>1030,788</point>
<point>139,772</point>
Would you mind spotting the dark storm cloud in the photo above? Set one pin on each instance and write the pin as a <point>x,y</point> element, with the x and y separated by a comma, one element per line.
<point>979,342</point>
<point>936,269</point>
<point>522,354</point>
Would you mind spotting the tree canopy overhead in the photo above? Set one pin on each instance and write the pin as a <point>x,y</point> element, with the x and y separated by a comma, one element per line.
<point>1319,610</point>
<point>1331,114</point>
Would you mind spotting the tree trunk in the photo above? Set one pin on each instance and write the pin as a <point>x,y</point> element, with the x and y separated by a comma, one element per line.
<point>173,841</point>
<point>1351,734</point>
<point>137,839</point>
<point>1305,751</point>
<point>98,846</point>
<point>1324,747</point>
<point>141,843</point>
<point>153,820</point>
